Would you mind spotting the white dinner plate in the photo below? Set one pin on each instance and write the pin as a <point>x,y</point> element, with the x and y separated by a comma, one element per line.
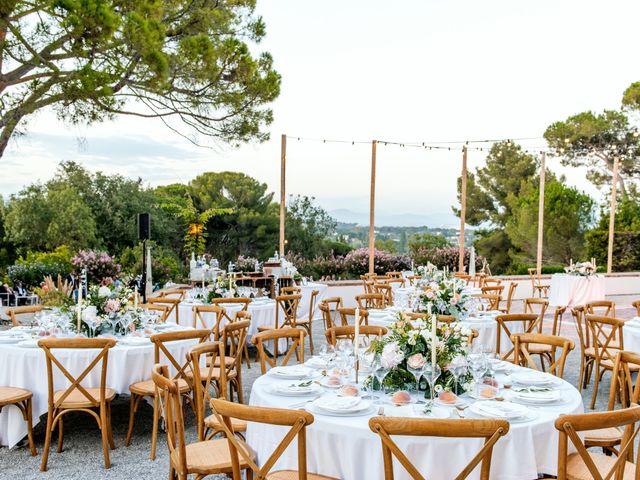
<point>533,378</point>
<point>371,410</point>
<point>436,412</point>
<point>315,362</point>
<point>294,390</point>
<point>536,398</point>
<point>290,373</point>
<point>499,410</point>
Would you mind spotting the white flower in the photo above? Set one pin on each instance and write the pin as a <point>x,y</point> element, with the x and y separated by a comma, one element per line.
<point>104,291</point>
<point>438,388</point>
<point>391,356</point>
<point>465,331</point>
<point>456,328</point>
<point>411,340</point>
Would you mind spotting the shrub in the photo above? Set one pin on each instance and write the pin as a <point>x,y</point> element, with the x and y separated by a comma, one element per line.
<point>245,264</point>
<point>357,262</point>
<point>60,256</point>
<point>445,257</point>
<point>165,264</point>
<point>32,274</point>
<point>99,265</point>
<point>626,249</point>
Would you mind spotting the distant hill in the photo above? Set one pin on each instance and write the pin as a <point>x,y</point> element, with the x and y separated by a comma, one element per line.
<point>443,220</point>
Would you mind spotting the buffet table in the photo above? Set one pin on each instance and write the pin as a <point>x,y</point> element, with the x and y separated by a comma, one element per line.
<point>344,447</point>
<point>573,290</point>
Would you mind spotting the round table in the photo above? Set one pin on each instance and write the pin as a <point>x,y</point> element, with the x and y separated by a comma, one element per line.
<point>573,290</point>
<point>631,335</point>
<point>26,368</point>
<point>305,302</point>
<point>344,447</point>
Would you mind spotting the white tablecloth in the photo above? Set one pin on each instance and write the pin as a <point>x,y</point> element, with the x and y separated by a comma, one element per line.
<point>345,447</point>
<point>631,335</point>
<point>303,310</point>
<point>26,368</point>
<point>573,290</point>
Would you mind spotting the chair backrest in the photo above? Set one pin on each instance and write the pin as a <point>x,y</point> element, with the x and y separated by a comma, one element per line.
<point>636,305</point>
<point>348,332</point>
<point>606,335</point>
<point>396,280</point>
<point>491,282</point>
<point>367,284</point>
<point>584,333</point>
<point>394,274</point>
<point>521,342</point>
<point>370,300</point>
<point>489,301</point>
<point>296,335</point>
<point>287,310</point>
<point>161,339</point>
<point>536,305</point>
<point>535,278</point>
<point>462,276</point>
<point>161,310</point>
<point>506,322</point>
<point>14,311</point>
<point>333,304</point>
<point>346,313</point>
<point>214,352</point>
<point>178,293</point>
<point>386,290</point>
<point>312,303</point>
<point>296,419</point>
<point>414,278</point>
<point>234,338</point>
<point>386,427</point>
<point>569,427</point>
<point>290,290</point>
<point>170,303</point>
<point>102,345</point>
<point>200,322</point>
<point>625,383</point>
<point>510,293</point>
<point>605,308</point>
<point>493,290</point>
<point>243,301</point>
<point>171,400</point>
<point>415,315</point>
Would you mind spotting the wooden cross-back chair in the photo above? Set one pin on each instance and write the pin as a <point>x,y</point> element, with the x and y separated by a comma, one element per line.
<point>636,305</point>
<point>604,308</point>
<point>298,420</point>
<point>295,344</point>
<point>542,289</point>
<point>505,323</point>
<point>243,302</point>
<point>493,290</point>
<point>199,320</point>
<point>386,427</point>
<point>625,385</point>
<point>22,400</point>
<point>488,301</point>
<point>522,354</point>
<point>201,458</point>
<point>587,352</point>
<point>234,338</point>
<point>386,290</point>
<point>491,282</point>
<point>478,280</point>
<point>396,280</point>
<point>286,312</point>
<point>597,466</point>
<point>291,290</point>
<point>348,332</point>
<point>146,388</point>
<point>413,279</point>
<point>509,300</point>
<point>170,303</point>
<point>242,314</point>
<point>327,306</point>
<point>178,293</point>
<point>347,312</point>
<point>394,274</point>
<point>538,306</point>
<point>370,300</point>
<point>161,310</point>
<point>606,334</point>
<point>13,312</point>
<point>463,276</point>
<point>76,397</point>
<point>307,323</point>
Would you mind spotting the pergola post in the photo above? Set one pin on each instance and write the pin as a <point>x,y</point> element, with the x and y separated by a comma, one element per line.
<point>463,208</point>
<point>372,205</point>
<point>541,213</point>
<point>612,214</point>
<point>283,172</point>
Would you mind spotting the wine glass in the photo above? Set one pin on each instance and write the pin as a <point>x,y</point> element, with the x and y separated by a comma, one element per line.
<point>380,373</point>
<point>369,363</point>
<point>431,371</point>
<point>478,366</point>
<point>327,352</point>
<point>417,374</point>
<point>457,367</point>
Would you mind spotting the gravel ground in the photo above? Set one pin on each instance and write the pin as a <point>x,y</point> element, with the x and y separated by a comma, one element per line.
<point>82,454</point>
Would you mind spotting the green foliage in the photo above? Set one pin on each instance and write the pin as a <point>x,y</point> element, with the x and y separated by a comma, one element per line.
<point>426,241</point>
<point>32,274</point>
<point>307,225</point>
<point>631,96</point>
<point>60,256</point>
<point>178,59</point>
<point>165,264</point>
<point>388,246</point>
<point>495,246</point>
<point>568,213</point>
<point>626,249</point>
<point>330,247</point>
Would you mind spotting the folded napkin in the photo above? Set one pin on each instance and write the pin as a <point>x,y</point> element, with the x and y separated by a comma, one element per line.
<point>339,404</point>
<point>295,387</point>
<point>531,378</point>
<point>537,395</point>
<point>316,362</point>
<point>290,371</point>
<point>502,410</point>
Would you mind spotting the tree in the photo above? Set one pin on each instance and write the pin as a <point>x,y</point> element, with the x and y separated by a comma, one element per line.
<point>426,241</point>
<point>568,214</point>
<point>595,140</point>
<point>388,245</point>
<point>307,226</point>
<point>186,63</point>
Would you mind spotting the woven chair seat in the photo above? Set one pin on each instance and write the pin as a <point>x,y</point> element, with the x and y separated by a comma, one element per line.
<point>146,388</point>
<point>77,399</point>
<point>609,436</point>
<point>215,373</point>
<point>264,328</point>
<point>577,470</point>
<point>11,395</point>
<point>236,424</point>
<point>293,475</point>
<point>209,457</point>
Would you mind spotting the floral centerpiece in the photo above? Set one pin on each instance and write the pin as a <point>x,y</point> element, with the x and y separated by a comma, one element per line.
<point>409,343</point>
<point>445,295</point>
<point>223,287</point>
<point>583,269</point>
<point>107,309</point>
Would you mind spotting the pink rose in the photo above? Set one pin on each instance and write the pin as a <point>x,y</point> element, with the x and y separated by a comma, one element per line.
<point>416,361</point>
<point>112,305</point>
<point>391,356</point>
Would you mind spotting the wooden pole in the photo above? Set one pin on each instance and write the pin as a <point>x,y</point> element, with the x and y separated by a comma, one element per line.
<point>541,213</point>
<point>612,214</point>
<point>283,171</point>
<point>372,206</point>
<point>463,208</point>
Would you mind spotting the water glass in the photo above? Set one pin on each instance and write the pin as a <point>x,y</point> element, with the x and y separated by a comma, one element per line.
<point>458,367</point>
<point>478,365</point>
<point>380,373</point>
<point>431,373</point>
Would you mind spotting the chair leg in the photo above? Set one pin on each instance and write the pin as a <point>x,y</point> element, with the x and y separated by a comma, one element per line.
<point>239,393</point>
<point>47,442</point>
<point>154,433</point>
<point>104,433</point>
<point>581,375</point>
<point>597,377</point>
<point>29,414</point>
<point>60,434</point>
<point>310,338</point>
<point>112,444</point>
<point>246,355</point>
<point>133,404</point>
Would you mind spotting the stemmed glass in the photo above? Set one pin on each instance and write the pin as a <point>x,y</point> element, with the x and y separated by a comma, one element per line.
<point>91,323</point>
<point>417,374</point>
<point>431,373</point>
<point>478,366</point>
<point>381,372</point>
<point>327,352</point>
<point>369,362</point>
<point>457,367</point>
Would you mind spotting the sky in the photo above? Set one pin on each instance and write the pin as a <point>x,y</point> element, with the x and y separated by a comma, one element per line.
<point>406,71</point>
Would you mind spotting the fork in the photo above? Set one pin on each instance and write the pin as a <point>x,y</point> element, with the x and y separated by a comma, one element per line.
<point>302,404</point>
<point>460,410</point>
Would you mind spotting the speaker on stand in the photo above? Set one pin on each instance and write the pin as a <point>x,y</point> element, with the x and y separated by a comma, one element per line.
<point>144,234</point>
